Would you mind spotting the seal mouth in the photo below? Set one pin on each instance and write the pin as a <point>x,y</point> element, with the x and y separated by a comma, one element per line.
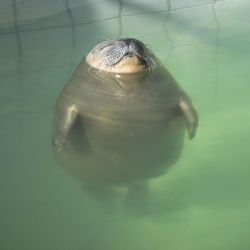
<point>112,52</point>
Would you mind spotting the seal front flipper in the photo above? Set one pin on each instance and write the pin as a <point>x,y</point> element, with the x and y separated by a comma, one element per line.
<point>190,115</point>
<point>64,120</point>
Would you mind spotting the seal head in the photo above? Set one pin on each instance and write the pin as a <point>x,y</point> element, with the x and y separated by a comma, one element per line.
<point>121,56</point>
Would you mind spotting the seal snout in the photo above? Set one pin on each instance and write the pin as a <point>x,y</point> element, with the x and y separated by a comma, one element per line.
<point>133,47</point>
<point>130,43</point>
<point>130,50</point>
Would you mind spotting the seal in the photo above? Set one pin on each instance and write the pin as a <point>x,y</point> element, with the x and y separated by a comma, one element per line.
<point>122,116</point>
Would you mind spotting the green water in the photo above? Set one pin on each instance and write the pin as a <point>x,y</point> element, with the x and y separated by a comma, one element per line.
<point>202,202</point>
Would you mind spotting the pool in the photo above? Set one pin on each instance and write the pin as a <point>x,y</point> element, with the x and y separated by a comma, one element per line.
<point>202,202</point>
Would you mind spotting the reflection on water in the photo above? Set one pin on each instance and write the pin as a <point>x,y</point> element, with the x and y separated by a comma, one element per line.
<point>204,44</point>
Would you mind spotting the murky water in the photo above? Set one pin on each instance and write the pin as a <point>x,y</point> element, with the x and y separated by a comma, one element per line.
<point>202,202</point>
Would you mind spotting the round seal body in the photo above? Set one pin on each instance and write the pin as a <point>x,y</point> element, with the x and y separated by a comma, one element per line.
<point>114,128</point>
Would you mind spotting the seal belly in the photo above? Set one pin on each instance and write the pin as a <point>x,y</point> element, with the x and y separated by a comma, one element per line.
<point>130,137</point>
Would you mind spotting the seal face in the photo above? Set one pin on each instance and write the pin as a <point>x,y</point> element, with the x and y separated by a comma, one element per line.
<point>122,116</point>
<point>121,56</point>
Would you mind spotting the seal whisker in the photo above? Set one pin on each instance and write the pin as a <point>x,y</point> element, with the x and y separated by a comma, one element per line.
<point>102,64</point>
<point>106,38</point>
<point>149,61</point>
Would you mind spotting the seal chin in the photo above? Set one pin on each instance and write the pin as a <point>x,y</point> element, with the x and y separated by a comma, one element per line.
<point>121,56</point>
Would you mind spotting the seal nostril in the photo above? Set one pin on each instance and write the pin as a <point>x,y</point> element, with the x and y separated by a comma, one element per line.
<point>130,50</point>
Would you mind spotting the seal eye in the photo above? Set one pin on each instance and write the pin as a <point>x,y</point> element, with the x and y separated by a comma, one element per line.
<point>115,54</point>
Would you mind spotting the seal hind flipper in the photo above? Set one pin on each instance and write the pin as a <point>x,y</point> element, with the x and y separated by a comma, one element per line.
<point>64,121</point>
<point>190,115</point>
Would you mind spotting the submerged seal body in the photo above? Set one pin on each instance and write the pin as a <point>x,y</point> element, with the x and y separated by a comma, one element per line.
<point>122,116</point>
